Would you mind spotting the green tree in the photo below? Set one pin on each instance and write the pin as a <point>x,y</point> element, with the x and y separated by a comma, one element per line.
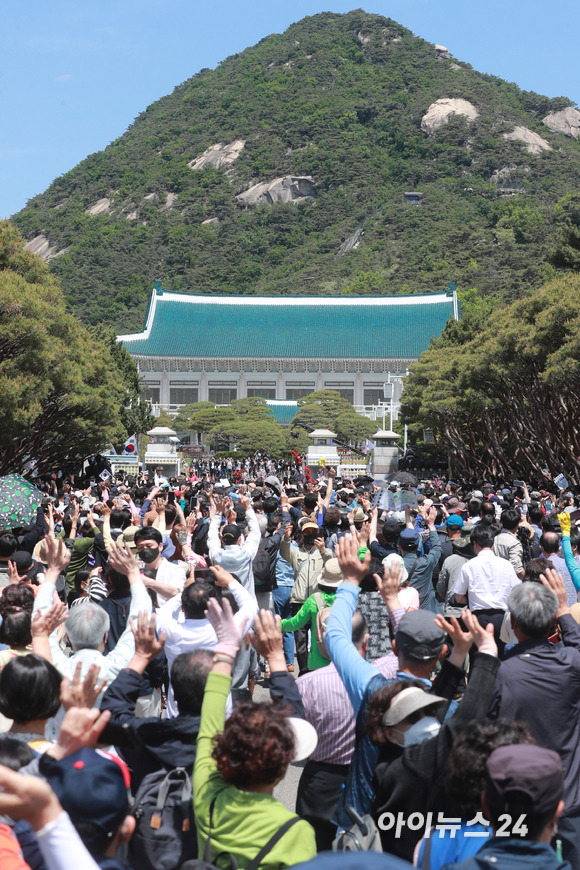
<point>251,435</point>
<point>183,417</point>
<point>60,391</point>
<point>135,412</point>
<point>329,401</point>
<point>207,419</point>
<point>501,393</point>
<point>566,254</point>
<point>252,408</point>
<point>354,427</point>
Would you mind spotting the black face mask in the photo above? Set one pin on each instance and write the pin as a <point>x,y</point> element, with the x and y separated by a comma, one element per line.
<point>148,555</point>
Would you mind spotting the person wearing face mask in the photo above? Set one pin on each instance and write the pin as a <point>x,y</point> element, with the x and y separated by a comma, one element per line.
<point>307,561</point>
<point>164,578</point>
<point>404,721</point>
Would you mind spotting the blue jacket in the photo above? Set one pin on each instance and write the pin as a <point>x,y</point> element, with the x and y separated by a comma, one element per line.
<point>512,853</point>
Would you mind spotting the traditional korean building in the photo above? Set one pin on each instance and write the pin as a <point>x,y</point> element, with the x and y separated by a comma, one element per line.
<point>221,348</point>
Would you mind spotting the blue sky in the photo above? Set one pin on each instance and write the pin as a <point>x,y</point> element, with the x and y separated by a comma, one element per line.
<point>74,75</point>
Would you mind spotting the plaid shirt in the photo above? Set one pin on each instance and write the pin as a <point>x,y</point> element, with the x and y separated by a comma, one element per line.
<point>328,709</point>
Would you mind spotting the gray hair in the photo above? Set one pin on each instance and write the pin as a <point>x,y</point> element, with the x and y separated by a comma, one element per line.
<point>86,626</point>
<point>263,523</point>
<point>533,608</point>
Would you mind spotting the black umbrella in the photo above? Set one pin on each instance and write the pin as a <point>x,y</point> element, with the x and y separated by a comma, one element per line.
<point>404,478</point>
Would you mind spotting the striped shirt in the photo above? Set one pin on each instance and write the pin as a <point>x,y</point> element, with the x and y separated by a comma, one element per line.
<point>327,707</point>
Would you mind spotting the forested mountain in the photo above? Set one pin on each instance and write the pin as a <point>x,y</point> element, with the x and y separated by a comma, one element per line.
<point>320,132</point>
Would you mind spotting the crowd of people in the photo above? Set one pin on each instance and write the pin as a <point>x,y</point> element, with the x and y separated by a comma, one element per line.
<point>422,662</point>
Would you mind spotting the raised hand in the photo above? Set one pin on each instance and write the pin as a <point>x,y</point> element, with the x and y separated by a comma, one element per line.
<point>82,692</point>
<point>229,632</point>
<point>13,576</point>
<point>482,637</point>
<point>353,570</point>
<point>462,640</point>
<point>43,624</point>
<point>266,638</point>
<point>57,554</point>
<point>389,584</point>
<point>80,728</point>
<point>27,797</point>
<point>223,578</point>
<point>147,644</point>
<point>123,561</point>
<point>552,580</point>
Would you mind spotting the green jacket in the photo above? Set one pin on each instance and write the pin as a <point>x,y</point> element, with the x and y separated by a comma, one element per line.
<point>307,612</point>
<point>243,821</point>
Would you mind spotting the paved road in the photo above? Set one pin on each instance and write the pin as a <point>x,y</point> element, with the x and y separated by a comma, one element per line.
<point>286,791</point>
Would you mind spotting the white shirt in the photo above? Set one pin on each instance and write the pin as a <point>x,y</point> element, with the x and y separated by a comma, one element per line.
<point>487,581</point>
<point>172,573</point>
<point>110,664</point>
<point>189,635</point>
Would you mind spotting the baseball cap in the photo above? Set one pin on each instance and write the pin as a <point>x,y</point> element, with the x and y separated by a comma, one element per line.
<point>409,701</point>
<point>524,777</point>
<point>408,538</point>
<point>91,786</point>
<point>231,533</point>
<point>455,520</point>
<point>418,636</point>
<point>477,493</point>
<point>309,527</point>
<point>391,527</point>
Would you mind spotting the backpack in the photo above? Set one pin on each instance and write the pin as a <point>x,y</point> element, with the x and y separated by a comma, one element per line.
<point>362,836</point>
<point>323,612</point>
<point>262,568</point>
<point>205,863</point>
<point>165,834</point>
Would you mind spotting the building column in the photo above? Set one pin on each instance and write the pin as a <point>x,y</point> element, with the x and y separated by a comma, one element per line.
<point>164,389</point>
<point>202,387</point>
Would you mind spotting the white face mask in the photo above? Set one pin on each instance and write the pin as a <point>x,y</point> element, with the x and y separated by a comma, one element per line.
<point>424,729</point>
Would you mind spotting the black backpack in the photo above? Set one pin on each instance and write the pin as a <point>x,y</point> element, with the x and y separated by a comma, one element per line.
<point>165,834</point>
<point>262,568</point>
<point>205,863</point>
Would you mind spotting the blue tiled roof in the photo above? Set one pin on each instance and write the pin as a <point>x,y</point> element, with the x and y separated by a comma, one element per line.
<point>284,412</point>
<point>253,327</point>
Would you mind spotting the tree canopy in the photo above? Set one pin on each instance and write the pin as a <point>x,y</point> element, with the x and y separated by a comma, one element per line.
<point>501,388</point>
<point>327,409</point>
<point>61,395</point>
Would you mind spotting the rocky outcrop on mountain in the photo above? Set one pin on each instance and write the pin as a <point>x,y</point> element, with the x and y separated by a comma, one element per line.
<point>534,143</point>
<point>40,246</point>
<point>440,111</point>
<point>101,206</point>
<point>566,122</point>
<point>291,188</point>
<point>218,155</point>
<point>352,243</point>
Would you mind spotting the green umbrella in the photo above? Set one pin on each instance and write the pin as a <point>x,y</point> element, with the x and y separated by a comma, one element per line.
<point>19,499</point>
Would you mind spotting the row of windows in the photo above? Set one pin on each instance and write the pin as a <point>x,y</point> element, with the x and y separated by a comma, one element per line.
<point>225,395</point>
